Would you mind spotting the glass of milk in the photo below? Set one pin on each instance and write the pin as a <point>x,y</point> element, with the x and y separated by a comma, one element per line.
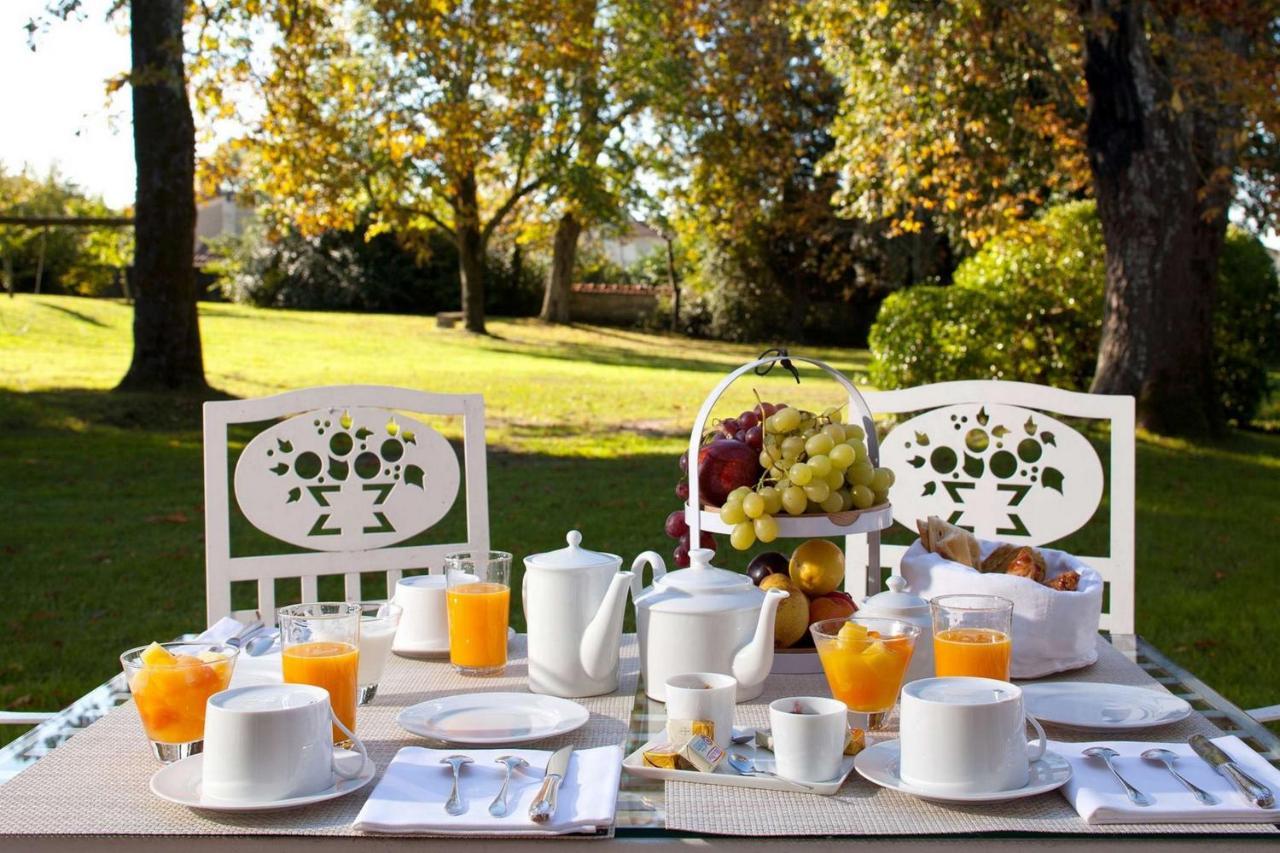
<point>378,623</point>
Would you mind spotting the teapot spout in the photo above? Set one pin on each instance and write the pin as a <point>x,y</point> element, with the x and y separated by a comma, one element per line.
<point>599,648</point>
<point>753,661</point>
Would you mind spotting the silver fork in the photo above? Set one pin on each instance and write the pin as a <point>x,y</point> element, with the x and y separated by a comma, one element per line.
<point>1167,757</point>
<point>454,804</point>
<point>1106,754</point>
<point>498,808</point>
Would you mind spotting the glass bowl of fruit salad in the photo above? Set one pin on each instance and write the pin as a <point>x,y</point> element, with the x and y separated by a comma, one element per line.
<point>865,659</point>
<point>170,683</point>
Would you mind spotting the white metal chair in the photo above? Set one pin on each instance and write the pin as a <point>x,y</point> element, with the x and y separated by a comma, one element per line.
<point>986,455</point>
<point>344,472</point>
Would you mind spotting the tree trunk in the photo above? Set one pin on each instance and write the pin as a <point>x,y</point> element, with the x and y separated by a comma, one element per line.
<point>1163,225</point>
<point>166,332</point>
<point>471,247</point>
<point>564,254</point>
<point>674,282</point>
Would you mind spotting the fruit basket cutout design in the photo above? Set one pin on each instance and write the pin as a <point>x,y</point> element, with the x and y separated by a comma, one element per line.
<point>848,523</point>
<point>346,479</point>
<point>1000,471</point>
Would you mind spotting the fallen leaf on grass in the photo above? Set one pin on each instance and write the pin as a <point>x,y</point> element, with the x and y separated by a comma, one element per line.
<point>178,517</point>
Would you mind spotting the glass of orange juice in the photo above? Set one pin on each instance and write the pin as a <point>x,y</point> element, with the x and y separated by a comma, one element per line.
<point>972,635</point>
<point>170,683</point>
<point>478,597</point>
<point>865,660</point>
<point>320,645</point>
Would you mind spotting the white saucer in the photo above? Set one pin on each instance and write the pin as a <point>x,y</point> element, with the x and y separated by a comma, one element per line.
<point>879,764</point>
<point>1087,705</point>
<point>492,719</point>
<point>431,650</point>
<point>179,783</point>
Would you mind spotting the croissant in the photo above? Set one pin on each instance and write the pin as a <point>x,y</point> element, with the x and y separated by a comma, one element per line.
<point>1023,561</point>
<point>1066,581</point>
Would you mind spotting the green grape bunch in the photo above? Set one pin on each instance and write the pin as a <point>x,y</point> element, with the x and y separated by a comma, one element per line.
<point>812,464</point>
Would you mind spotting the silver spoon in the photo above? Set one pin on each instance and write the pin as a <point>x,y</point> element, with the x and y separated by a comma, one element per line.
<point>454,805</point>
<point>498,808</point>
<point>746,767</point>
<point>741,736</point>
<point>261,644</point>
<point>1167,757</point>
<point>1106,754</point>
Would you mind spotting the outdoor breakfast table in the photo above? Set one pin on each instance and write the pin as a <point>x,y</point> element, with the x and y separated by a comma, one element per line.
<point>93,787</point>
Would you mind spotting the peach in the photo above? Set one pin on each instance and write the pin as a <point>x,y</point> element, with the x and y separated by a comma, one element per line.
<point>833,605</point>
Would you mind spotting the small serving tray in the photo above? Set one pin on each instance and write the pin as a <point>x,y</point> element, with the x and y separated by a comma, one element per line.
<point>726,775</point>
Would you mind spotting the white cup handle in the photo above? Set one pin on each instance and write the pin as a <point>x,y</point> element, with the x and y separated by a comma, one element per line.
<point>1038,751</point>
<point>359,745</point>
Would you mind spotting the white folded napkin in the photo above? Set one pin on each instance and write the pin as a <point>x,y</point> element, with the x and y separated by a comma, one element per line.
<point>1099,798</point>
<point>411,794</point>
<point>263,669</point>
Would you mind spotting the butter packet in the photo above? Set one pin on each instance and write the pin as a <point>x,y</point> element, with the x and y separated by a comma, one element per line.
<point>666,757</point>
<point>855,741</point>
<point>703,754</point>
<point>680,732</point>
<point>764,739</point>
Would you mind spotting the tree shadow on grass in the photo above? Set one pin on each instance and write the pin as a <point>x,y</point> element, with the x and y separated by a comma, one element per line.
<point>85,318</point>
<point>77,408</point>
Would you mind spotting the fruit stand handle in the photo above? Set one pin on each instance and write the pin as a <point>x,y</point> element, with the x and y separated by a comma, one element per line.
<point>692,508</point>
<point>654,561</point>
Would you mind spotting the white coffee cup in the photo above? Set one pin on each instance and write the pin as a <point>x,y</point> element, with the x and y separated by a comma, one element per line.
<point>808,737</point>
<point>269,742</point>
<point>965,735</point>
<point>425,621</point>
<point>704,696</point>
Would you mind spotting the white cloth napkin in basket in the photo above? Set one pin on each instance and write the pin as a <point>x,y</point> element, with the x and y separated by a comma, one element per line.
<point>1099,797</point>
<point>411,794</point>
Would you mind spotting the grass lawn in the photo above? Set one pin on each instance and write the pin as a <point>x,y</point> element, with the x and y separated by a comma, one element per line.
<point>101,494</point>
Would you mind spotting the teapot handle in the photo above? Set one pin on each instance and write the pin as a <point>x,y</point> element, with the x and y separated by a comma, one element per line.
<point>654,561</point>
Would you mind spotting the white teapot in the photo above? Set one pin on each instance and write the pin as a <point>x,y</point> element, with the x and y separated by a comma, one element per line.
<point>703,619</point>
<point>897,603</point>
<point>574,602</point>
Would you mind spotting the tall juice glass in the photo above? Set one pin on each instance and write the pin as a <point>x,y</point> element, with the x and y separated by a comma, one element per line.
<point>865,660</point>
<point>478,598</point>
<point>320,645</point>
<point>972,635</point>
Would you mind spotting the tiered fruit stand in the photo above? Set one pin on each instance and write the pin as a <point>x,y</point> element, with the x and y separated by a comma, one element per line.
<point>849,524</point>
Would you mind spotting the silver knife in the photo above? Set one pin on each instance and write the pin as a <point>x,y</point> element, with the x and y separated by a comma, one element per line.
<point>1254,791</point>
<point>543,806</point>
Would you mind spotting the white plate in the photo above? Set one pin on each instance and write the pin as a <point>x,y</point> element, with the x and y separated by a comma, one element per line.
<point>492,719</point>
<point>179,783</point>
<point>1085,705</point>
<point>726,775</point>
<point>431,651</point>
<point>879,764</point>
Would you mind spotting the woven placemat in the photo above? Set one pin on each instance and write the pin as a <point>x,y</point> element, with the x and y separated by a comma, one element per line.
<point>861,808</point>
<point>98,782</point>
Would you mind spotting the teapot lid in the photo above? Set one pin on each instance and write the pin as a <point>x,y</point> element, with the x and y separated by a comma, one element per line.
<point>572,557</point>
<point>896,601</point>
<point>703,578</point>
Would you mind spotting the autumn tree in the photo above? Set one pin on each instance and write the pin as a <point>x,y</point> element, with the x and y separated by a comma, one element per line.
<point>166,331</point>
<point>613,65</point>
<point>979,111</point>
<point>741,135</point>
<point>423,115</point>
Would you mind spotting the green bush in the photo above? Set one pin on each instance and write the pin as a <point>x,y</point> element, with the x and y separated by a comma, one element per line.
<point>1028,306</point>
